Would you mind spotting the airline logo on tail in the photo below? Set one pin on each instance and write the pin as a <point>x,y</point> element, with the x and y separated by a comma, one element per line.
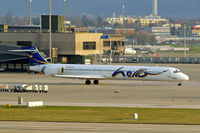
<point>34,56</point>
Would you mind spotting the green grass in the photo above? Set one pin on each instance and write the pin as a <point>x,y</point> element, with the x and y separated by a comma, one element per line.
<point>100,115</point>
<point>197,50</point>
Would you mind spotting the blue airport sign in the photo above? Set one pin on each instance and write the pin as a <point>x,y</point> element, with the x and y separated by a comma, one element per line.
<point>196,34</point>
<point>105,37</point>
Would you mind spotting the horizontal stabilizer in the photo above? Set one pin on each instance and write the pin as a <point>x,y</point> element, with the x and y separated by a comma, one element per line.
<point>33,55</point>
<point>22,50</point>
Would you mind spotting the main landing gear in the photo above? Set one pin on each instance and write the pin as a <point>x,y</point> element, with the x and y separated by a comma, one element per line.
<point>96,82</point>
<point>179,84</point>
<point>88,82</point>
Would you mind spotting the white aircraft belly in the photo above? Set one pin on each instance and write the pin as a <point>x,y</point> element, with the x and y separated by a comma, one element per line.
<point>82,76</point>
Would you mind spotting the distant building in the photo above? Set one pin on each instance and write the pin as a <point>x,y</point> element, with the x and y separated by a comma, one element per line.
<point>175,25</point>
<point>24,28</point>
<point>105,30</point>
<point>180,31</point>
<point>163,30</point>
<point>174,28</point>
<point>119,20</point>
<point>126,31</point>
<point>152,20</point>
<point>144,21</point>
<point>196,31</point>
<point>3,28</point>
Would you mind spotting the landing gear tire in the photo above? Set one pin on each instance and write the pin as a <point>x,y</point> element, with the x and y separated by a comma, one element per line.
<point>96,82</point>
<point>179,84</point>
<point>87,82</point>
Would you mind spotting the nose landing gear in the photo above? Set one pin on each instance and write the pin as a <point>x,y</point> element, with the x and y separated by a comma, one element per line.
<point>179,84</point>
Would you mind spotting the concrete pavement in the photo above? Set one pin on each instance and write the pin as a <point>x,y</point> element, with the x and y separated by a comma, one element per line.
<point>55,127</point>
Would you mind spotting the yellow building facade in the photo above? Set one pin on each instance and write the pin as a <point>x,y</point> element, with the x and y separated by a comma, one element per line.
<point>88,43</point>
<point>152,21</point>
<point>91,44</point>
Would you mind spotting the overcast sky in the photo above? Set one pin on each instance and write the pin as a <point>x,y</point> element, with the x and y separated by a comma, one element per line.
<point>172,8</point>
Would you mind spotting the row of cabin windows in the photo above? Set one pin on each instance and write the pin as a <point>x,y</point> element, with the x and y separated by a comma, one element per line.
<point>154,72</point>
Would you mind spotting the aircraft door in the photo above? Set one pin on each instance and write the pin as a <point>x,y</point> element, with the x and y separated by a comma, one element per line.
<point>169,74</point>
<point>61,70</point>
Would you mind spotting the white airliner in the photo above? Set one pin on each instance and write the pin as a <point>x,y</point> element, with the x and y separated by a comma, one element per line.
<point>102,72</point>
<point>130,51</point>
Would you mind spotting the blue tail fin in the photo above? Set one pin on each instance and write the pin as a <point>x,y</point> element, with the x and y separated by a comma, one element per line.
<point>34,56</point>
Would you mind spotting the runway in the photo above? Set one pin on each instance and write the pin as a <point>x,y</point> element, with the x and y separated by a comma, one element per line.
<point>54,127</point>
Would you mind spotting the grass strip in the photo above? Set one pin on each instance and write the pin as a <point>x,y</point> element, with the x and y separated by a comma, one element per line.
<point>100,115</point>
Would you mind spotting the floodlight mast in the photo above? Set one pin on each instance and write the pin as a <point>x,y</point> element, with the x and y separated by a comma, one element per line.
<point>30,17</point>
<point>50,33</point>
<point>123,7</point>
<point>64,10</point>
<point>185,40</point>
<point>155,7</point>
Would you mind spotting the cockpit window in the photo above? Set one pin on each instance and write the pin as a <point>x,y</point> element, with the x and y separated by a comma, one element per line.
<point>177,71</point>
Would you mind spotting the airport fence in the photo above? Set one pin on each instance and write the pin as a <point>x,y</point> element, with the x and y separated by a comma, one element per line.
<point>178,60</point>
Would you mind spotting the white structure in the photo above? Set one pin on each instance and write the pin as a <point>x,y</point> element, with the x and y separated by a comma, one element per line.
<point>152,20</point>
<point>136,116</point>
<point>163,30</point>
<point>155,7</point>
<point>35,104</point>
<point>120,20</point>
<point>30,17</point>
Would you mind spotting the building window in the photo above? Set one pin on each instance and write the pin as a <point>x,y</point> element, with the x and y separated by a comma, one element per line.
<point>89,45</point>
<point>24,43</point>
<point>4,66</point>
<point>106,43</point>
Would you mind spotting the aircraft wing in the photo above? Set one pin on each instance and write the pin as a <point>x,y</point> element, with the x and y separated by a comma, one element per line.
<point>82,76</point>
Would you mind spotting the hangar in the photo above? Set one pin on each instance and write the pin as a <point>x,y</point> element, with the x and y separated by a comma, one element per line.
<point>10,61</point>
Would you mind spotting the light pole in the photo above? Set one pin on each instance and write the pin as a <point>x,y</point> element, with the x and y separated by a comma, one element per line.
<point>50,33</point>
<point>110,50</point>
<point>155,7</point>
<point>123,13</point>
<point>30,21</point>
<point>185,41</point>
<point>64,10</point>
<point>100,57</point>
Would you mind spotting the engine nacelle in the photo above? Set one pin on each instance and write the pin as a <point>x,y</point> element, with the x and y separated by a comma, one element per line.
<point>50,70</point>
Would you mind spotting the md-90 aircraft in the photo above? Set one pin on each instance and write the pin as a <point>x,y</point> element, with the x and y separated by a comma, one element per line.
<point>101,72</point>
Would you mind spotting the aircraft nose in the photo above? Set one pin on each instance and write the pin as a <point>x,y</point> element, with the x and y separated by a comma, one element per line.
<point>185,77</point>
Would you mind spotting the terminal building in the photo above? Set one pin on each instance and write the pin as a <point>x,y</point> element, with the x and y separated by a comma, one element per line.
<point>71,46</point>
